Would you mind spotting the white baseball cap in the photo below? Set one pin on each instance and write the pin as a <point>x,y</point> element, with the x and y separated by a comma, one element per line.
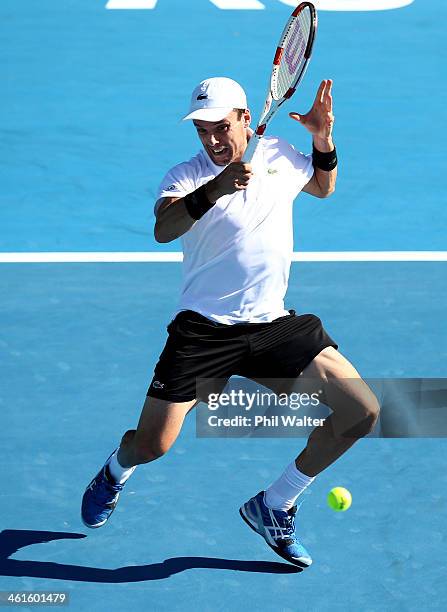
<point>215,98</point>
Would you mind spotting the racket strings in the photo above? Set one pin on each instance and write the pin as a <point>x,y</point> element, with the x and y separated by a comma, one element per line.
<point>293,57</point>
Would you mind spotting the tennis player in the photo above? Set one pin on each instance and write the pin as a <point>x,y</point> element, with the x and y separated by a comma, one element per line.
<point>235,221</point>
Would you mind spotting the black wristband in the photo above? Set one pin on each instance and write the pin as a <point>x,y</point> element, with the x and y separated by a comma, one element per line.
<point>197,204</point>
<point>324,161</point>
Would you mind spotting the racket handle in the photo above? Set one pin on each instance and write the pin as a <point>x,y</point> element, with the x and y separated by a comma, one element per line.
<point>251,148</point>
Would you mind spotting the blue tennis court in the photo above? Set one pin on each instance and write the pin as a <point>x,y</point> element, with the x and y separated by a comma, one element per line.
<point>91,101</point>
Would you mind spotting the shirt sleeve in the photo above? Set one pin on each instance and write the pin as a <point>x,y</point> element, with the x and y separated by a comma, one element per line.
<point>303,168</point>
<point>176,183</point>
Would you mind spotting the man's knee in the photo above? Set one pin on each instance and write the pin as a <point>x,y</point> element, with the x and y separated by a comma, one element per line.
<point>144,450</point>
<point>368,414</point>
<point>128,437</point>
<point>149,450</point>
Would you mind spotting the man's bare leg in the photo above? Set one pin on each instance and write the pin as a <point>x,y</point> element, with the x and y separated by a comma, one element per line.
<point>159,425</point>
<point>354,414</point>
<point>355,411</point>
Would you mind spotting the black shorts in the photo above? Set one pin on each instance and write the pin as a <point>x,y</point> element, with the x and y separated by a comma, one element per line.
<point>198,348</point>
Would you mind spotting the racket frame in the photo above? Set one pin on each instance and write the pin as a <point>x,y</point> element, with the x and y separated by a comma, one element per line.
<point>271,105</point>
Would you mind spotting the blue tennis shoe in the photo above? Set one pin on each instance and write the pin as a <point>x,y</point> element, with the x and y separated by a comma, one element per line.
<point>277,527</point>
<point>100,498</point>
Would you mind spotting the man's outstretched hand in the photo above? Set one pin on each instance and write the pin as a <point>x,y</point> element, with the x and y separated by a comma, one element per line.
<point>319,121</point>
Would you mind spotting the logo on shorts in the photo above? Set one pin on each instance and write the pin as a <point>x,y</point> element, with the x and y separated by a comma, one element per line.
<point>158,385</point>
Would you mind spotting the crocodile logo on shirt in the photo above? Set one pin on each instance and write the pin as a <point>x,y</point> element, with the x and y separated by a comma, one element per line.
<point>272,171</point>
<point>158,385</point>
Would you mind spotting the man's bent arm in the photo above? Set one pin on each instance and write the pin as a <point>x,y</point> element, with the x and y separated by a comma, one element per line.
<point>173,219</point>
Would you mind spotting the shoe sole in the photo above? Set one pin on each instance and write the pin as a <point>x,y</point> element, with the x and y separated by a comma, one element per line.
<point>98,525</point>
<point>246,520</point>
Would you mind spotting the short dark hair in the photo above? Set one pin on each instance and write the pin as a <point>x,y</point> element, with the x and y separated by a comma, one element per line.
<point>240,112</point>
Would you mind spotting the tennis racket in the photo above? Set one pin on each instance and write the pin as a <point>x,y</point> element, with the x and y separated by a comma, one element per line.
<point>289,65</point>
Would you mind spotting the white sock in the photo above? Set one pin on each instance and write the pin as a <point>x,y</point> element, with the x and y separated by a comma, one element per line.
<point>282,494</point>
<point>119,473</point>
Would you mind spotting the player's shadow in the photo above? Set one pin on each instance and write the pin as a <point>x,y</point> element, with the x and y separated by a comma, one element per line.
<point>12,540</point>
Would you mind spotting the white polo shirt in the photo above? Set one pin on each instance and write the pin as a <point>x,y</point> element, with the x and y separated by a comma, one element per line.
<point>237,256</point>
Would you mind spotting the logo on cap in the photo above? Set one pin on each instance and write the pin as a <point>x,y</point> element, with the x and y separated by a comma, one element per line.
<point>202,97</point>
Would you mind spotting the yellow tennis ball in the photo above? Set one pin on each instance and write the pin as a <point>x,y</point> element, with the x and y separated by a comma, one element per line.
<point>339,499</point>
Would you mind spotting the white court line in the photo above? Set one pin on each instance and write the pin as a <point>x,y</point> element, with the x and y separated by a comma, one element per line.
<point>322,5</point>
<point>354,5</point>
<point>131,4</point>
<point>238,4</point>
<point>174,256</point>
